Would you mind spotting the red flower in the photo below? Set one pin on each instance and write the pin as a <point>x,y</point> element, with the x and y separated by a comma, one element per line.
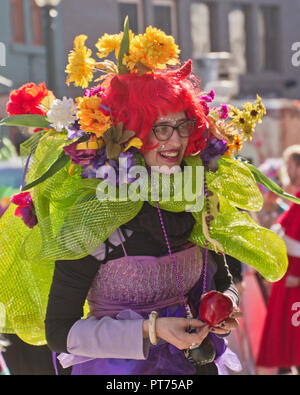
<point>26,99</point>
<point>194,147</point>
<point>25,208</point>
<point>22,199</point>
<point>205,107</point>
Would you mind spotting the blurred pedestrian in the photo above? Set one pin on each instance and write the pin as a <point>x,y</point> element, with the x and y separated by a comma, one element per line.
<point>292,159</point>
<point>280,343</point>
<point>275,169</point>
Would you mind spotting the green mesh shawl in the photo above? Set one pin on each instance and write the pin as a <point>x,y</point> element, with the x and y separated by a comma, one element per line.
<point>72,223</point>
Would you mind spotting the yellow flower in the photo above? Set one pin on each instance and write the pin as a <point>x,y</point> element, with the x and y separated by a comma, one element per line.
<point>153,49</point>
<point>243,121</point>
<point>91,118</point>
<point>233,111</point>
<point>110,42</point>
<point>248,130</point>
<point>134,142</point>
<point>81,64</point>
<point>255,111</point>
<point>252,111</point>
<point>260,105</point>
<point>239,119</point>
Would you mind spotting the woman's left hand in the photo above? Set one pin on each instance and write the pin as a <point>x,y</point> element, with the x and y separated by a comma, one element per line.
<point>231,323</point>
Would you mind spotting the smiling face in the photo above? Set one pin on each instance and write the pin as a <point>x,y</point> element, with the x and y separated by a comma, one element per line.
<point>167,153</point>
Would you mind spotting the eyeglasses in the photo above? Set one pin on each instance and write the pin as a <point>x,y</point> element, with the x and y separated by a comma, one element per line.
<point>164,132</point>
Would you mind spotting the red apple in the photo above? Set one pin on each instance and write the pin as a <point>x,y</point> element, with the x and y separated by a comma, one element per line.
<point>215,308</point>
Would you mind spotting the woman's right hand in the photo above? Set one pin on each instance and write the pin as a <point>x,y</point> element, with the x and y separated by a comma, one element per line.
<point>175,331</point>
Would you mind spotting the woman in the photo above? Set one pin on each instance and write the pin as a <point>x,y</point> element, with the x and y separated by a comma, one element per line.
<point>122,345</point>
<point>118,208</point>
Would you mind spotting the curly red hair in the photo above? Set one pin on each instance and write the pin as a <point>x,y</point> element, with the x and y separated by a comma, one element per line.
<point>137,101</point>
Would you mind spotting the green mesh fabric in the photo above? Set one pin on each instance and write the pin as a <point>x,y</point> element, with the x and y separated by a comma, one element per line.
<point>72,223</point>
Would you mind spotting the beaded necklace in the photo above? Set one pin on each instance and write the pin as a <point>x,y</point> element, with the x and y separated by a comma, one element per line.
<point>204,353</point>
<point>172,259</point>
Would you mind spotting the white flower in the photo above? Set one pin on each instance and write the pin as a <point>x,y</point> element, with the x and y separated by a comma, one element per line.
<point>62,113</point>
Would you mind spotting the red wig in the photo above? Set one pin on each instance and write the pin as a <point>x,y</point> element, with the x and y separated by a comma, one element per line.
<point>138,101</point>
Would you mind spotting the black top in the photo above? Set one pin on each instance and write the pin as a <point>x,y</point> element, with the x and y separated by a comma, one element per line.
<point>72,279</point>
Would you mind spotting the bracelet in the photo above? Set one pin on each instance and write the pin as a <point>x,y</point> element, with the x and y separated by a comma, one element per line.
<point>152,331</point>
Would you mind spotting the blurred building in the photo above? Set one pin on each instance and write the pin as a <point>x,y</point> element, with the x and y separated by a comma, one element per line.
<point>239,47</point>
<point>258,34</point>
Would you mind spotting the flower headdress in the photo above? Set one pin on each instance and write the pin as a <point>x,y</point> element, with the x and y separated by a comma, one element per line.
<point>76,144</point>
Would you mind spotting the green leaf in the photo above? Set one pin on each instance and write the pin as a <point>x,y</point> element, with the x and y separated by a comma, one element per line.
<point>245,240</point>
<point>61,161</point>
<point>234,181</point>
<point>118,131</point>
<point>124,49</point>
<point>26,120</point>
<point>113,151</point>
<point>126,136</point>
<point>271,185</point>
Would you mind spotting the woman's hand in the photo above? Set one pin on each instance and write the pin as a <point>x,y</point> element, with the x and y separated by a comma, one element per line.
<point>231,323</point>
<point>175,331</point>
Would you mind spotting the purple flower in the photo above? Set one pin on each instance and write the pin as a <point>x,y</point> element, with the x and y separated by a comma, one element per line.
<point>126,161</point>
<point>214,147</point>
<point>90,170</point>
<point>116,172</point>
<point>109,171</point>
<point>96,91</point>
<point>223,111</point>
<point>74,131</point>
<point>28,216</point>
<point>79,157</point>
<point>209,97</point>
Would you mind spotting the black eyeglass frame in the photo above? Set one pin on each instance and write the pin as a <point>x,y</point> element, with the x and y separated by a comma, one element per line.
<point>174,128</point>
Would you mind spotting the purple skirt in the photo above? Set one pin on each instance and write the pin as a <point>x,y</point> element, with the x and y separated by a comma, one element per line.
<point>163,359</point>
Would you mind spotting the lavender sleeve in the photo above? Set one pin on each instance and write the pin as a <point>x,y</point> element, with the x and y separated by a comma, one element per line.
<point>108,338</point>
<point>67,332</point>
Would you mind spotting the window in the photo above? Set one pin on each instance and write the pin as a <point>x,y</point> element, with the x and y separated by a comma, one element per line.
<point>26,22</point>
<point>36,24</point>
<point>165,16</point>
<point>200,29</point>
<point>268,33</point>
<point>132,9</point>
<point>17,21</point>
<point>237,37</point>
